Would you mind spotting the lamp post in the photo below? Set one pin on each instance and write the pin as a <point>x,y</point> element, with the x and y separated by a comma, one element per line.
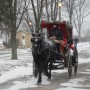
<point>30,23</point>
<point>59,5</point>
<point>31,26</point>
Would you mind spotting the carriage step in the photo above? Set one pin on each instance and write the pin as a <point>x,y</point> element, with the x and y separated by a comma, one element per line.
<point>57,67</point>
<point>58,61</point>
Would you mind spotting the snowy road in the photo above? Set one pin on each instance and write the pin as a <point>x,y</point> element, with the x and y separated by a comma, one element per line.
<point>17,74</point>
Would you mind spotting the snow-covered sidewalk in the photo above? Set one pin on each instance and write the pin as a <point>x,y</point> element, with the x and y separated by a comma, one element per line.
<point>6,64</point>
<point>11,69</point>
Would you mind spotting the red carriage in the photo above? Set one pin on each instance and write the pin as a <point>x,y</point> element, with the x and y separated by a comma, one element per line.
<point>68,51</point>
<point>63,26</point>
<point>70,56</point>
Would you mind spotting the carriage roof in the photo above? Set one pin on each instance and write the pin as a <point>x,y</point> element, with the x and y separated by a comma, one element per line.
<point>63,26</point>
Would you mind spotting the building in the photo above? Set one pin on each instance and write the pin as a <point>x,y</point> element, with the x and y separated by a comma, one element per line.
<point>24,38</point>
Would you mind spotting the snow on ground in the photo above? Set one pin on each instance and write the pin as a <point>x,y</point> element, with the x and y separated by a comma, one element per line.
<point>18,71</point>
<point>27,84</point>
<point>21,71</point>
<point>72,84</point>
<point>84,47</point>
<point>83,60</point>
<point>78,83</point>
<point>11,69</point>
<point>4,53</point>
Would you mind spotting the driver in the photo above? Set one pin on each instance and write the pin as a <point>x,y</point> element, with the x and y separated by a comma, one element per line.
<point>57,36</point>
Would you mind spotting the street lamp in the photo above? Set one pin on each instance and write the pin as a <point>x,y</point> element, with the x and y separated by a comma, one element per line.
<point>60,5</point>
<point>30,23</point>
<point>31,26</point>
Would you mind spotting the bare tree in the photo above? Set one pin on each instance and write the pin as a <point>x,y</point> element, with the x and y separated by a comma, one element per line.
<point>69,5</point>
<point>37,7</point>
<point>13,11</point>
<point>81,11</point>
<point>45,8</point>
<point>77,10</point>
<point>51,8</point>
<point>29,19</point>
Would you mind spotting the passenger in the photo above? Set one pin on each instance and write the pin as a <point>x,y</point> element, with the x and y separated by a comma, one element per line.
<point>57,36</point>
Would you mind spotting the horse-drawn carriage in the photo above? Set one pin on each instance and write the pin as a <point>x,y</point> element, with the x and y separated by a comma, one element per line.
<point>45,54</point>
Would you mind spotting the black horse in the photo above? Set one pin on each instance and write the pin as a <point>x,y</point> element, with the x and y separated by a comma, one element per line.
<point>42,56</point>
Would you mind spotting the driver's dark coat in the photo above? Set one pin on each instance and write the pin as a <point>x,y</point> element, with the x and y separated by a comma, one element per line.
<point>57,33</point>
<point>59,36</point>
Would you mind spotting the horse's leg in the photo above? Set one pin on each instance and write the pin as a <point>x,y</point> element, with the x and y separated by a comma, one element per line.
<point>47,69</point>
<point>39,79</point>
<point>50,65</point>
<point>47,65</point>
<point>39,74</point>
<point>49,72</point>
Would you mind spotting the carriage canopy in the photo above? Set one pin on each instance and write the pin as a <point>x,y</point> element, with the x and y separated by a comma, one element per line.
<point>63,26</point>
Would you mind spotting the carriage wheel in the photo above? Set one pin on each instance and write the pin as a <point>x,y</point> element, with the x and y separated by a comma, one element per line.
<point>70,66</point>
<point>76,65</point>
<point>35,70</point>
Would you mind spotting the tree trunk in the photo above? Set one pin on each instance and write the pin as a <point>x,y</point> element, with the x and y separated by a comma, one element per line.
<point>13,43</point>
<point>52,10</point>
<point>13,33</point>
<point>38,25</point>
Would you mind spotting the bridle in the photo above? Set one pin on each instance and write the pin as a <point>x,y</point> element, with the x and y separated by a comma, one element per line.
<point>36,43</point>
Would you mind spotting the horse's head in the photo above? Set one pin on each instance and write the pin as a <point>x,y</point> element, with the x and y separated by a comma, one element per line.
<point>36,42</point>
